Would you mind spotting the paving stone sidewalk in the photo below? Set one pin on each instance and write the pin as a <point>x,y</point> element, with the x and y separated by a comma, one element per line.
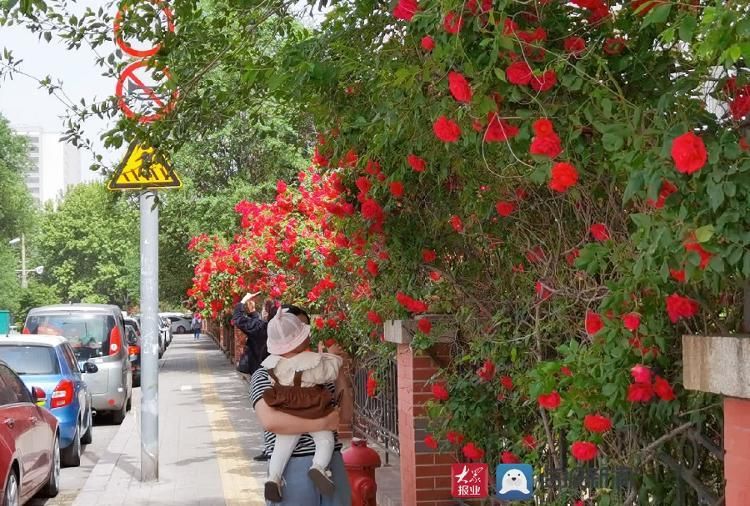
<point>208,435</point>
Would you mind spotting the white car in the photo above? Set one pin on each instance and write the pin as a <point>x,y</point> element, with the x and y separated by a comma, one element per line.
<point>180,323</point>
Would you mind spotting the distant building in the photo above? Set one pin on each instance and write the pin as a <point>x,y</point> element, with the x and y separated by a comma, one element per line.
<point>55,165</point>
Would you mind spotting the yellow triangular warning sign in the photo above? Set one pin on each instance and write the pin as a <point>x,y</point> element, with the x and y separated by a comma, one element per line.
<point>143,168</point>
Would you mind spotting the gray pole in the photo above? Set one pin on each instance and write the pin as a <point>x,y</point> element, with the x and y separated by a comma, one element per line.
<point>150,333</point>
<point>24,272</point>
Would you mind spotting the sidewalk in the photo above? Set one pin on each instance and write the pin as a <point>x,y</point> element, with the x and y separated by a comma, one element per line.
<point>208,435</point>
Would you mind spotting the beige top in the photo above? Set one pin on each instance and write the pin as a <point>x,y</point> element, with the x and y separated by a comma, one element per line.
<point>317,368</point>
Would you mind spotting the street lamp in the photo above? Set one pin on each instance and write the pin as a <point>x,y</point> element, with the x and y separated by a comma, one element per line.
<point>24,271</point>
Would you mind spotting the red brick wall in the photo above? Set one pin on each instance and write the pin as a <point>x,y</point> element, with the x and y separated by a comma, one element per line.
<point>737,451</point>
<point>425,473</point>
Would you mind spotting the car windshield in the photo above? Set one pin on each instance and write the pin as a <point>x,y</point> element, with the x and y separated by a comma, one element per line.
<point>33,360</point>
<point>131,333</point>
<point>88,333</point>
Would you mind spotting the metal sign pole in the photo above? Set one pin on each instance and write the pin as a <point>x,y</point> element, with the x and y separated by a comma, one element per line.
<point>150,335</point>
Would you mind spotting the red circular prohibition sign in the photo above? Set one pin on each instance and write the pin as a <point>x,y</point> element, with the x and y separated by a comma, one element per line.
<point>127,48</point>
<point>161,108</point>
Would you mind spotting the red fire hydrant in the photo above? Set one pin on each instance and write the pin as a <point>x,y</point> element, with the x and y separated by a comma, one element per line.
<point>361,462</point>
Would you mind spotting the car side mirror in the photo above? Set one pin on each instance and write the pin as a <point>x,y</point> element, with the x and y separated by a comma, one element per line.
<point>89,368</point>
<point>40,397</point>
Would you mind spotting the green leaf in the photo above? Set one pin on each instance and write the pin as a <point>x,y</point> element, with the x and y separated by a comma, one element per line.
<point>612,142</point>
<point>687,27</point>
<point>657,16</point>
<point>704,233</point>
<point>715,195</point>
<point>634,184</point>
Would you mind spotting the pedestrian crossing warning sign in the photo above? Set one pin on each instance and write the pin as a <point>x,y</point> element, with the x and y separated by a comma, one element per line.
<point>142,168</point>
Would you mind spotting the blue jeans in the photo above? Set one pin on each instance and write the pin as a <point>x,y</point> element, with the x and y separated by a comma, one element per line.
<point>196,333</point>
<point>298,490</point>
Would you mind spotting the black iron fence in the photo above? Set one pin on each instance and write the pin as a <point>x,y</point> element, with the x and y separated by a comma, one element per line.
<point>376,418</point>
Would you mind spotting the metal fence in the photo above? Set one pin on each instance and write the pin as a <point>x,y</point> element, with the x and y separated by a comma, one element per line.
<point>376,418</point>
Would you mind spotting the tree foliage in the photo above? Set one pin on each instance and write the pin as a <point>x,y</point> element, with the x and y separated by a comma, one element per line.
<point>89,247</point>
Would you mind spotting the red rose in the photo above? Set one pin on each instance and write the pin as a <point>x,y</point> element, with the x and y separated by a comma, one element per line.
<point>430,442</point>
<point>428,43</point>
<point>641,374</point>
<point>416,163</point>
<point>472,452</point>
<point>498,130</point>
<point>374,317</point>
<point>405,9</point>
<point>547,145</point>
<point>593,323</point>
<point>739,106</point>
<point>543,127</point>
<point>667,189</point>
<point>631,321</point>
<point>424,326</point>
<point>454,437</point>
<point>487,371</point>
<point>428,255</point>
<point>689,153</point>
<point>435,276</point>
<point>519,73</point>
<point>663,389</point>
<point>372,384</point>
<point>452,23</point>
<point>678,275</point>
<point>459,87</point>
<point>640,392</point>
<point>614,46</point>
<point>599,231</point>
<point>549,401</point>
<point>542,290</point>
<point>506,382</point>
<point>456,223</point>
<point>505,208</point>
<point>563,176</point>
<point>397,189</point>
<point>679,307</point>
<point>446,130</point>
<point>693,245</point>
<point>583,450</point>
<point>507,457</point>
<point>439,391</point>
<point>574,45</point>
<point>544,82</point>
<point>565,371</point>
<point>529,441</point>
<point>597,423</point>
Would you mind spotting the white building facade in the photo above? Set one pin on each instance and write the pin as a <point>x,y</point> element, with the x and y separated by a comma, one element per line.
<point>55,165</point>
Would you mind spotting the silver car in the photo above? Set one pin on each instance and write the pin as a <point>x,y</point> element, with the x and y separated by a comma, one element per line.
<point>96,332</point>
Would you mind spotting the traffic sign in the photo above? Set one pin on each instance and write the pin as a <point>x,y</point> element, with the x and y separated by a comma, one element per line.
<point>162,18</point>
<point>143,168</point>
<point>137,93</point>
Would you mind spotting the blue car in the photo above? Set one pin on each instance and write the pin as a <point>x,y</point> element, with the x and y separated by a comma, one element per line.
<point>48,362</point>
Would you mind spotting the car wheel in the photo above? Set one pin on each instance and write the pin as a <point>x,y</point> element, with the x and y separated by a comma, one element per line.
<point>12,496</point>
<point>71,456</point>
<point>119,416</point>
<point>180,329</point>
<point>52,487</point>
<point>88,436</point>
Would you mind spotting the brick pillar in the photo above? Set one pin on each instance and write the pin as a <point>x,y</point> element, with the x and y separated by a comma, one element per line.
<point>737,450</point>
<point>425,473</point>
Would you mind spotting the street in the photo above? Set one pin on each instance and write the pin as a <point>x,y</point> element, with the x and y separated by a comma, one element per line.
<point>208,433</point>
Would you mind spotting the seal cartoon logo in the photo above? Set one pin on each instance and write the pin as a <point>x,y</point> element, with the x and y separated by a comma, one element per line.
<point>515,482</point>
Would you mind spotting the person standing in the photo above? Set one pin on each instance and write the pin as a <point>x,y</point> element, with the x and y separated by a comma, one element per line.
<point>196,325</point>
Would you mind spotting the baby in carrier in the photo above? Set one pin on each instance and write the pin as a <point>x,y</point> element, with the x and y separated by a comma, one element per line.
<point>298,376</point>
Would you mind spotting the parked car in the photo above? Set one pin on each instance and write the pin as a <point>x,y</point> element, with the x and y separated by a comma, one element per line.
<point>29,442</point>
<point>166,329</point>
<point>162,339</point>
<point>180,324</point>
<point>96,333</point>
<point>133,338</point>
<point>48,362</point>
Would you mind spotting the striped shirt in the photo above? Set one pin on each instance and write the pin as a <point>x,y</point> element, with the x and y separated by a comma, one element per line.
<point>259,383</point>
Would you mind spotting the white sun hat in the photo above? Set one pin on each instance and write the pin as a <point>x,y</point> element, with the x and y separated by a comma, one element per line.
<point>249,296</point>
<point>286,332</point>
